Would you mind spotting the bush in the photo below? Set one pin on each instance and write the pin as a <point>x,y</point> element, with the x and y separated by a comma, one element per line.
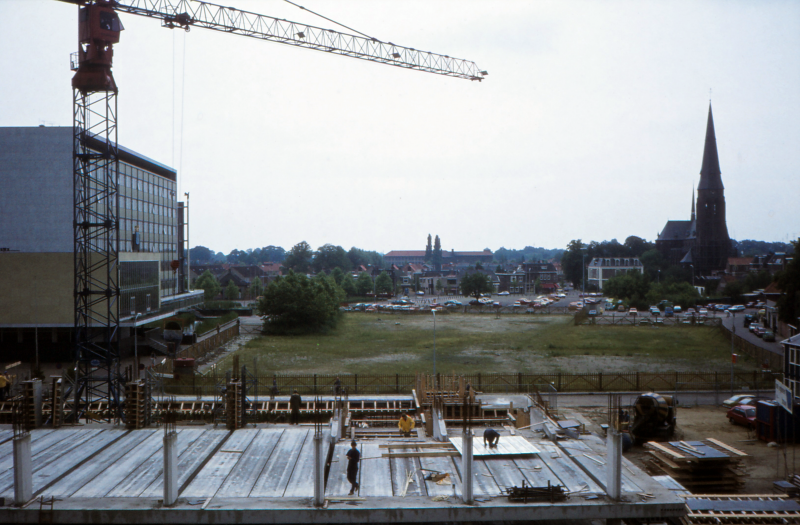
<point>295,304</point>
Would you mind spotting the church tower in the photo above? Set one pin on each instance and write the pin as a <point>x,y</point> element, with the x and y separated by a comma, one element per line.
<point>712,246</point>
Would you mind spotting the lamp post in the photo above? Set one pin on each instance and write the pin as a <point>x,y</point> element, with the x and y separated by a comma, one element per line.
<point>434,347</point>
<point>583,272</point>
<point>692,267</point>
<point>136,345</point>
<point>733,336</point>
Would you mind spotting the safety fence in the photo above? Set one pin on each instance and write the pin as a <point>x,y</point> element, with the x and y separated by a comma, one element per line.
<point>387,384</point>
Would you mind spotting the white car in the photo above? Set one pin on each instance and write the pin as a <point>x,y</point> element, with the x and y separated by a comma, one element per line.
<point>703,312</point>
<point>420,292</point>
<point>503,293</point>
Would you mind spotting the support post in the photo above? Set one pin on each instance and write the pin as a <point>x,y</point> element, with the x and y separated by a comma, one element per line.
<point>23,473</point>
<point>170,467</point>
<point>467,476</point>
<point>614,464</point>
<point>319,471</point>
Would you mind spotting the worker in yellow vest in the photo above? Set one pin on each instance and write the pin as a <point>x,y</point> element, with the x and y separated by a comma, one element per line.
<point>406,425</point>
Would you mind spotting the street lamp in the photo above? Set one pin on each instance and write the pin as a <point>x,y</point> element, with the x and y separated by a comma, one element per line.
<point>434,346</point>
<point>136,345</point>
<point>733,336</point>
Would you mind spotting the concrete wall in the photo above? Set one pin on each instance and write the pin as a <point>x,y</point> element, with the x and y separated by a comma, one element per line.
<point>36,201</point>
<point>36,289</point>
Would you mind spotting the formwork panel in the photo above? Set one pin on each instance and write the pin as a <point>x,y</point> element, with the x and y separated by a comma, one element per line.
<point>279,468</point>
<point>208,481</point>
<point>244,475</point>
<point>337,476</point>
<point>400,467</point>
<point>301,483</point>
<point>443,465</point>
<point>571,476</point>
<point>376,475</point>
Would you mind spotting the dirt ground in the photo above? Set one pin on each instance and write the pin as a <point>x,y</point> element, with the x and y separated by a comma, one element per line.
<point>763,465</point>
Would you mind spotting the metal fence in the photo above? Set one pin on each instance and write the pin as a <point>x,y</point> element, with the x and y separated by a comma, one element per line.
<point>387,384</point>
<point>767,358</point>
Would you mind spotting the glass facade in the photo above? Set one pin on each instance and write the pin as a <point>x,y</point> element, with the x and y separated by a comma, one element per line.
<point>149,221</point>
<point>138,287</point>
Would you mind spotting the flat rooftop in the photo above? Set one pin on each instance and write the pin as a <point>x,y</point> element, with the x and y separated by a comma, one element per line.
<point>264,474</point>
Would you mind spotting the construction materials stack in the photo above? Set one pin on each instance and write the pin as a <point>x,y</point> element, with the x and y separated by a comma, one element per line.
<point>137,409</point>
<point>32,404</point>
<point>699,466</point>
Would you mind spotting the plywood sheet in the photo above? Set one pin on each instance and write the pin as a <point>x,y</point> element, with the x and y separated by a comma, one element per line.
<point>570,474</point>
<point>191,459</point>
<point>211,477</point>
<point>278,470</point>
<point>337,484</point>
<point>301,483</point>
<point>74,457</point>
<point>507,446</point>
<point>246,472</point>
<point>400,467</point>
<point>443,464</point>
<point>376,475</point>
<point>91,478</point>
<point>152,465</point>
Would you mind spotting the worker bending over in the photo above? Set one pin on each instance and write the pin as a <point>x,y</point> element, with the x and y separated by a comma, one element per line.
<point>406,425</point>
<point>492,437</point>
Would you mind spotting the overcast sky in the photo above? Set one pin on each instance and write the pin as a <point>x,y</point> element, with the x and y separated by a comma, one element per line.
<point>590,124</point>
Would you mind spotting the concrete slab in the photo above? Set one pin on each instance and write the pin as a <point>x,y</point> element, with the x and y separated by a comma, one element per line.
<point>441,464</point>
<point>208,480</point>
<point>376,475</point>
<point>400,467</point>
<point>244,475</point>
<point>337,476</point>
<point>278,471</point>
<point>506,446</point>
<point>301,482</point>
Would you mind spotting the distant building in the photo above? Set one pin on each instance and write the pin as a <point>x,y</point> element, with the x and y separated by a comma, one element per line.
<point>601,269</point>
<point>701,242</point>
<point>401,257</point>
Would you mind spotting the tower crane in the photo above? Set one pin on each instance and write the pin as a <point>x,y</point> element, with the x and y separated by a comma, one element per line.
<point>96,153</point>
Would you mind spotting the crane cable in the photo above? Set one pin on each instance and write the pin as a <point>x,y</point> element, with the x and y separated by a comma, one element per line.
<point>330,20</point>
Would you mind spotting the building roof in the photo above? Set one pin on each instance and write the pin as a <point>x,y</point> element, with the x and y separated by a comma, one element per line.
<point>710,178</point>
<point>677,230</point>
<point>445,254</point>
<point>739,261</point>
<point>406,253</point>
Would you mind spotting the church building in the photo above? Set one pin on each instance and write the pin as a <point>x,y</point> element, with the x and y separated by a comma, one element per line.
<point>701,242</point>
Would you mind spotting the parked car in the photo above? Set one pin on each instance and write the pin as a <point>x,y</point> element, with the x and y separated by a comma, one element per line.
<point>420,292</point>
<point>632,311</point>
<point>621,308</point>
<point>668,311</point>
<point>503,293</point>
<point>748,318</point>
<point>743,415</point>
<point>654,311</point>
<point>768,335</point>
<point>753,327</point>
<point>592,313</point>
<point>760,331</point>
<point>703,312</point>
<point>737,400</point>
<point>736,308</point>
<point>677,309</point>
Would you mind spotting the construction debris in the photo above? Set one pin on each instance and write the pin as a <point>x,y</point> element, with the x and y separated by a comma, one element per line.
<point>526,493</point>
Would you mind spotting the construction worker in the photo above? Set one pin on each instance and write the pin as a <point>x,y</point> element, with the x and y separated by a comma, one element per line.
<point>294,404</point>
<point>274,390</point>
<point>337,386</point>
<point>353,456</point>
<point>492,437</point>
<point>406,425</point>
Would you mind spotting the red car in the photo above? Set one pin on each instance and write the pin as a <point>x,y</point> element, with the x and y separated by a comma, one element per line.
<point>743,415</point>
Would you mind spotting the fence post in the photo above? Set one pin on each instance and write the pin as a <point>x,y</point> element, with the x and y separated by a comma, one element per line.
<point>600,381</point>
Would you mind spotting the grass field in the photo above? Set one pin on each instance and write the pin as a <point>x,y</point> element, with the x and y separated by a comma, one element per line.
<point>379,344</point>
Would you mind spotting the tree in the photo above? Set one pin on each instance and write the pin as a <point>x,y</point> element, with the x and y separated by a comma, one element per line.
<point>437,254</point>
<point>231,291</point>
<point>788,281</point>
<point>256,287</point>
<point>478,266</point>
<point>383,283</point>
<point>349,285</point>
<point>572,262</point>
<point>475,284</point>
<point>439,286</point>
<point>428,249</point>
<point>201,254</point>
<point>299,258</point>
<point>364,283</point>
<point>209,284</point>
<point>632,287</point>
<point>295,304</point>
<point>328,257</point>
<point>338,275</point>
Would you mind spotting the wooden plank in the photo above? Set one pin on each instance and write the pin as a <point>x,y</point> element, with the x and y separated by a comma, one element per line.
<point>665,450</point>
<point>727,447</point>
<point>246,472</point>
<point>278,470</point>
<point>415,445</point>
<point>208,481</point>
<point>191,459</point>
<point>376,476</point>
<point>436,454</point>
<point>89,480</point>
<point>301,483</point>
<point>146,472</point>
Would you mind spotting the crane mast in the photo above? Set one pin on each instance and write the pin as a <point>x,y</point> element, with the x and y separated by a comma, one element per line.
<point>96,155</point>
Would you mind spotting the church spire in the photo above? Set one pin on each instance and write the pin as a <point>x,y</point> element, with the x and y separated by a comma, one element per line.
<point>693,214</point>
<point>710,178</point>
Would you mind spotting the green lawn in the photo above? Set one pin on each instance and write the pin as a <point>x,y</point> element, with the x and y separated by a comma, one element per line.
<point>387,344</point>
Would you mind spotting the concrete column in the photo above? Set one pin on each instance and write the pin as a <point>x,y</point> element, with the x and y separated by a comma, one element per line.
<point>170,468</point>
<point>319,471</point>
<point>467,475</point>
<point>23,473</point>
<point>614,464</point>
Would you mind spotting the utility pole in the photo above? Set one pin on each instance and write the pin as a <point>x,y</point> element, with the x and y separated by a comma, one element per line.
<point>188,248</point>
<point>733,336</point>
